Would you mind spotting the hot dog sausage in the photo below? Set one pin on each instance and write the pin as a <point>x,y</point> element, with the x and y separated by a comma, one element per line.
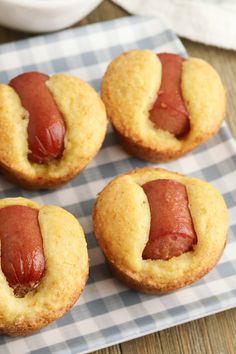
<point>22,257</point>
<point>169,112</point>
<point>46,128</point>
<point>171,232</point>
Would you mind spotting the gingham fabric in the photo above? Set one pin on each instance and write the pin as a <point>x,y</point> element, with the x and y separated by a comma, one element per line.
<point>108,312</point>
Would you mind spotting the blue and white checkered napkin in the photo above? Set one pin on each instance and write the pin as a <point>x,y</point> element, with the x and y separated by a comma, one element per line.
<point>108,312</point>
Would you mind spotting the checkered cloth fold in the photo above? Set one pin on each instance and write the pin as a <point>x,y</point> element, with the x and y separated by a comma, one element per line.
<point>108,312</point>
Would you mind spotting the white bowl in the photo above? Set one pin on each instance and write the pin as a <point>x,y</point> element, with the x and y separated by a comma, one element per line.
<point>43,15</point>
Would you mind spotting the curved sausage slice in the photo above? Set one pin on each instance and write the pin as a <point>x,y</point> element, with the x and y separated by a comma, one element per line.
<point>169,112</point>
<point>22,256</point>
<point>172,232</point>
<point>46,128</point>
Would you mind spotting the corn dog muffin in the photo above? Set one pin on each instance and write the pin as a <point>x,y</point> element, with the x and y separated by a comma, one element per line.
<point>162,106</point>
<point>160,230</point>
<point>50,128</point>
<point>44,272</point>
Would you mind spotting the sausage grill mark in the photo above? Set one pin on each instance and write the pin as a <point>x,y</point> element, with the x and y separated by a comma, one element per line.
<point>172,232</point>
<point>22,256</point>
<point>169,112</point>
<point>46,128</point>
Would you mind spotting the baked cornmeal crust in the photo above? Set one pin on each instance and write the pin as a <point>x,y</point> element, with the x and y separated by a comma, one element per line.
<point>85,119</point>
<point>129,90</point>
<point>121,219</point>
<point>66,273</point>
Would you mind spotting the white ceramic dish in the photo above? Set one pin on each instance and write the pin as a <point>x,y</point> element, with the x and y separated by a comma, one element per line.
<point>43,15</point>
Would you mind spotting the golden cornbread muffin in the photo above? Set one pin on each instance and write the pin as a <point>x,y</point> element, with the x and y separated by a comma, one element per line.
<point>187,211</point>
<point>63,259</point>
<point>23,103</point>
<point>162,106</point>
